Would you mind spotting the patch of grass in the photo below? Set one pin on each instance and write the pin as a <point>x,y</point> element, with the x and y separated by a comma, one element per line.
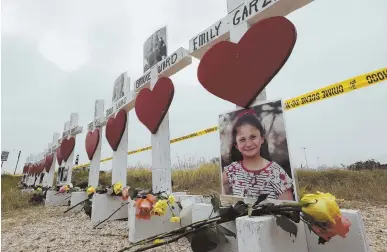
<point>11,197</point>
<point>366,185</point>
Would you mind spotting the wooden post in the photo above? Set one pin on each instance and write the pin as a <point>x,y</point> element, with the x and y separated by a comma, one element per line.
<point>49,178</point>
<point>120,157</point>
<point>71,129</point>
<point>161,155</point>
<point>95,161</point>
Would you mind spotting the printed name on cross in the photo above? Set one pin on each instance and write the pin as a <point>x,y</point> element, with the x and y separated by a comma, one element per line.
<point>143,79</point>
<point>109,111</point>
<point>121,102</point>
<point>167,63</point>
<point>90,126</point>
<point>206,36</point>
<point>167,67</point>
<point>255,6</point>
<point>75,130</point>
<point>251,11</point>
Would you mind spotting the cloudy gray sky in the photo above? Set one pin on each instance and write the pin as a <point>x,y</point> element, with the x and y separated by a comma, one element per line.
<point>58,57</point>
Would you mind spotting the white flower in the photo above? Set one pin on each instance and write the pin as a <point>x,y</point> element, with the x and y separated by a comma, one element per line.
<point>70,185</point>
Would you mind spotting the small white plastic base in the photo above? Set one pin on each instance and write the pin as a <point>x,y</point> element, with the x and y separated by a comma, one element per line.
<point>77,197</point>
<point>262,234</point>
<point>142,229</point>
<point>104,205</point>
<point>53,198</point>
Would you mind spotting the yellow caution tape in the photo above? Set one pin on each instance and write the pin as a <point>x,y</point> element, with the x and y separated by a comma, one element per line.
<point>336,89</point>
<point>327,92</point>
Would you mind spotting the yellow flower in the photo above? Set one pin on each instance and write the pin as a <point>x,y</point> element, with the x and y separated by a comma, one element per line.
<point>66,188</point>
<point>323,207</point>
<point>90,190</point>
<point>159,211</point>
<point>163,204</point>
<point>171,199</point>
<point>175,219</point>
<point>38,190</point>
<point>158,241</point>
<point>117,188</point>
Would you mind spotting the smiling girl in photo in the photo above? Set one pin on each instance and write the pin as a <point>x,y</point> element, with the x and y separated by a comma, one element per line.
<point>252,171</point>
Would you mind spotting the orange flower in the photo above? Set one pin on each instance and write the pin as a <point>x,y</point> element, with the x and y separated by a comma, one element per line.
<point>341,228</point>
<point>144,207</point>
<point>125,193</point>
<point>151,198</point>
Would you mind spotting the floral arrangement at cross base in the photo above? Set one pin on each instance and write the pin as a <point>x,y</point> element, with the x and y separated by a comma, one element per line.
<point>156,205</point>
<point>38,195</point>
<point>318,211</point>
<point>116,190</point>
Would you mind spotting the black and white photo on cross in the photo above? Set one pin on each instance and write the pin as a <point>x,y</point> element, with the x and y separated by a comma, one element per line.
<point>118,91</point>
<point>155,48</point>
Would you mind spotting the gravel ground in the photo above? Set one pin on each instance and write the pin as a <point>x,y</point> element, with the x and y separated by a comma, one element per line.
<point>48,229</point>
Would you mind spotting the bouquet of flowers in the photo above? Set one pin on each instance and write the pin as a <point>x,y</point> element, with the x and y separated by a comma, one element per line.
<point>156,205</point>
<point>318,211</point>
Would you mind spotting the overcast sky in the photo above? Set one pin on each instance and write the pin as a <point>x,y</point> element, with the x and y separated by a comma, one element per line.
<point>58,57</point>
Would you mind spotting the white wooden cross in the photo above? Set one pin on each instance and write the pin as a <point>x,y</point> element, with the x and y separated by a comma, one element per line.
<point>97,123</point>
<point>39,159</point>
<point>49,177</point>
<point>30,162</point>
<point>161,155</point>
<point>120,157</point>
<point>25,174</point>
<point>71,129</point>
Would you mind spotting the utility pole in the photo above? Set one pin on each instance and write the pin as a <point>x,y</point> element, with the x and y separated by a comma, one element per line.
<point>306,160</point>
<point>17,162</point>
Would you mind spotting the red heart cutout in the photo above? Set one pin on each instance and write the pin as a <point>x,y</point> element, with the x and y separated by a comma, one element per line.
<point>91,142</point>
<point>41,166</point>
<point>34,169</point>
<point>239,72</point>
<point>59,156</point>
<point>152,106</point>
<point>115,128</point>
<point>25,169</point>
<point>67,147</point>
<point>48,162</point>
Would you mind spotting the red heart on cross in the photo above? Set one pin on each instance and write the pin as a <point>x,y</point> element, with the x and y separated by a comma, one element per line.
<point>67,147</point>
<point>91,142</point>
<point>59,156</point>
<point>48,162</point>
<point>239,72</point>
<point>115,128</point>
<point>34,169</point>
<point>41,166</point>
<point>152,106</point>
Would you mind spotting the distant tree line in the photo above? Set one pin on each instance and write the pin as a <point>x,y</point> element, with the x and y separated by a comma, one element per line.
<point>370,164</point>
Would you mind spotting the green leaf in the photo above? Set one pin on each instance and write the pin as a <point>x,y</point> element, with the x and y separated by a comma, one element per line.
<point>287,225</point>
<point>261,198</point>
<point>249,211</point>
<point>204,240</point>
<point>225,231</point>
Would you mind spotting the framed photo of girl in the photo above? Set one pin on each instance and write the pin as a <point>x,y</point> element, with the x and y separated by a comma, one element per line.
<point>254,153</point>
